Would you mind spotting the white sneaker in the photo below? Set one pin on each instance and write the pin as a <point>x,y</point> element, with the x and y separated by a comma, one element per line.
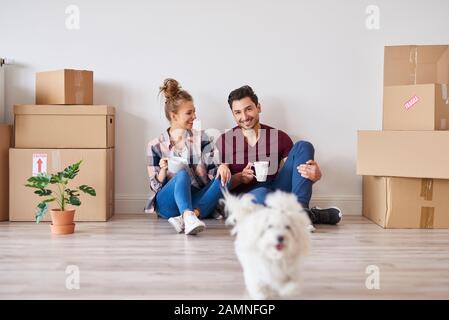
<point>177,223</point>
<point>193,225</point>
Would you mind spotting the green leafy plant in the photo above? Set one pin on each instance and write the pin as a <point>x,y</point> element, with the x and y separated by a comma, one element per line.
<point>60,192</point>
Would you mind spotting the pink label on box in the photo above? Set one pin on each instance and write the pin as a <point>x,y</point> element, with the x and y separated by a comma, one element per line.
<point>414,100</point>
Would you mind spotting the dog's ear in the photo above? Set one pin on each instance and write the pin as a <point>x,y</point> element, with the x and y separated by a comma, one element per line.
<point>286,203</point>
<point>300,222</point>
<point>305,242</point>
<point>237,203</point>
<point>237,207</point>
<point>283,202</point>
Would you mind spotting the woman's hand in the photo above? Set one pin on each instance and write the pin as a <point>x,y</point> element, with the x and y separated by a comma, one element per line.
<point>224,173</point>
<point>310,170</point>
<point>163,163</point>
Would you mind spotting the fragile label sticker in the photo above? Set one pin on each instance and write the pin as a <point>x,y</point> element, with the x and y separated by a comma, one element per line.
<point>410,103</point>
<point>39,163</point>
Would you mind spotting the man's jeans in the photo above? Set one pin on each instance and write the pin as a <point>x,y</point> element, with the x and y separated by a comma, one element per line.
<point>288,178</point>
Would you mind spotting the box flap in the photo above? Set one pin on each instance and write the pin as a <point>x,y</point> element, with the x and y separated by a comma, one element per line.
<point>404,194</point>
<point>62,70</point>
<point>375,199</point>
<point>64,109</point>
<point>412,64</point>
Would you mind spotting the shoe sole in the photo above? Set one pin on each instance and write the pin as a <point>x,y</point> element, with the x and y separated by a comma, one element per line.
<point>195,230</point>
<point>176,226</point>
<point>311,228</point>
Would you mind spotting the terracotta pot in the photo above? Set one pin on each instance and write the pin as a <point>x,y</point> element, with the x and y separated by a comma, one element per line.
<point>62,221</point>
<point>61,218</point>
<point>67,229</point>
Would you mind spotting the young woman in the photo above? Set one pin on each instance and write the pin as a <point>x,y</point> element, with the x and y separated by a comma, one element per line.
<point>194,191</point>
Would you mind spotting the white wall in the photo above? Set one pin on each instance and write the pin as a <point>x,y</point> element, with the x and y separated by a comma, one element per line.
<point>315,66</point>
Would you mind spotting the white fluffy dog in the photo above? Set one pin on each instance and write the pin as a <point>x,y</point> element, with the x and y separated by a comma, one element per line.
<point>270,242</point>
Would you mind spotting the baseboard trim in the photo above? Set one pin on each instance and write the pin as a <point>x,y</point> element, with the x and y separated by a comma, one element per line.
<point>350,205</point>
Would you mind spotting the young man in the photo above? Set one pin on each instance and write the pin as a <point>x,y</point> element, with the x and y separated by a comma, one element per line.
<point>291,166</point>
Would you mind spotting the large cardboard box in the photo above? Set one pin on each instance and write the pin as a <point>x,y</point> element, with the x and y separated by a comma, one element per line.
<point>97,171</point>
<point>414,154</point>
<point>5,143</point>
<point>415,87</point>
<point>416,107</point>
<point>406,202</point>
<point>65,86</point>
<point>412,64</point>
<point>46,126</point>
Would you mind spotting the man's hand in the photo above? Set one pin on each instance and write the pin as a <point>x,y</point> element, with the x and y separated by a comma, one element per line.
<point>310,170</point>
<point>247,174</point>
<point>224,173</point>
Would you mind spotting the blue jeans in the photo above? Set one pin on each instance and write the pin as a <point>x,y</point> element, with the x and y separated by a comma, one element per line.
<point>178,195</point>
<point>288,178</point>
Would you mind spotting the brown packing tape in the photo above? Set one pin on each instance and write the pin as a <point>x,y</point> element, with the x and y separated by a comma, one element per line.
<point>79,96</point>
<point>79,92</point>
<point>413,60</point>
<point>56,161</point>
<point>78,78</point>
<point>427,189</point>
<point>427,214</point>
<point>444,95</point>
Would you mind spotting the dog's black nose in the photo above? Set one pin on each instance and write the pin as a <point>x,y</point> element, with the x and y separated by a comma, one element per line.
<point>280,239</point>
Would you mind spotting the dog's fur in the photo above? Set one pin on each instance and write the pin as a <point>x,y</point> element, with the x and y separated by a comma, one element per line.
<point>272,269</point>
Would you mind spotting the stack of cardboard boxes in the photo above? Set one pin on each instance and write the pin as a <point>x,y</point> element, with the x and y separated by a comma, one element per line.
<point>405,166</point>
<point>61,129</point>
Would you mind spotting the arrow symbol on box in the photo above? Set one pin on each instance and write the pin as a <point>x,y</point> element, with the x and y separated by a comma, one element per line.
<point>39,165</point>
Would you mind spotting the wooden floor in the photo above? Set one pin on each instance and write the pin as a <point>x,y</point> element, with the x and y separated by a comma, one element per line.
<point>135,257</point>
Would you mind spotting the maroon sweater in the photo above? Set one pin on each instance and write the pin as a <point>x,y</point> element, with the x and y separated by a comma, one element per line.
<point>273,146</point>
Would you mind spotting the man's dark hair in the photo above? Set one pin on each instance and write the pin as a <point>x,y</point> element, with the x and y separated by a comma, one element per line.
<point>242,92</point>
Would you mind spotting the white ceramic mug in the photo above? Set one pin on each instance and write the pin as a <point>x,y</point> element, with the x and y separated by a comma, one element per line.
<point>176,164</point>
<point>261,168</point>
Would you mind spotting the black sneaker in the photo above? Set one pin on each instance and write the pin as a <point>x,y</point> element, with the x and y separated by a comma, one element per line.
<point>330,215</point>
<point>219,212</point>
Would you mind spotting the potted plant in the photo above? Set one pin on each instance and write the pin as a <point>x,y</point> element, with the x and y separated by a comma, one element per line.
<point>62,217</point>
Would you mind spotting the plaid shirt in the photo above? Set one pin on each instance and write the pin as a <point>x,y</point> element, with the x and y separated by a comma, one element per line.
<point>199,151</point>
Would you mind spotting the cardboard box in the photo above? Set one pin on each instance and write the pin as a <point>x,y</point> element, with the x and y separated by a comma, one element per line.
<point>412,64</point>
<point>416,107</point>
<point>413,154</point>
<point>97,171</point>
<point>54,127</point>
<point>65,86</point>
<point>406,202</point>
<point>412,100</point>
<point>5,143</point>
